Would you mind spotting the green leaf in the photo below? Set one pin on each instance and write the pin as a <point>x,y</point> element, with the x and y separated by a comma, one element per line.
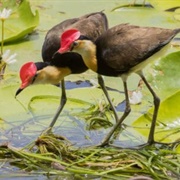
<point>168,121</point>
<point>177,14</point>
<point>21,22</point>
<point>143,16</point>
<point>164,75</point>
<point>178,149</point>
<point>165,4</point>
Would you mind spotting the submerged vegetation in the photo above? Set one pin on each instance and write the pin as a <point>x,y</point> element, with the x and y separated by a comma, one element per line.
<point>54,155</point>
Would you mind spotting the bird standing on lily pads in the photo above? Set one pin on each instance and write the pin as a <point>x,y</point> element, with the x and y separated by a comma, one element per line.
<point>118,52</point>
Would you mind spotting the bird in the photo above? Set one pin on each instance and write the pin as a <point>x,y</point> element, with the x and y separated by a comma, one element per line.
<point>54,68</point>
<point>120,51</point>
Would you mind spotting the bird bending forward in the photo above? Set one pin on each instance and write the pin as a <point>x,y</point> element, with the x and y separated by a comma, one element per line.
<point>53,70</point>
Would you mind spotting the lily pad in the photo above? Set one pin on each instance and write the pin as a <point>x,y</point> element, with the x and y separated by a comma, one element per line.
<point>168,121</point>
<point>165,4</point>
<point>177,14</point>
<point>144,17</point>
<point>164,75</point>
<point>21,22</point>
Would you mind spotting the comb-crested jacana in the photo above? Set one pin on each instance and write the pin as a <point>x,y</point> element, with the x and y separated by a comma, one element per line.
<point>118,52</point>
<point>53,70</point>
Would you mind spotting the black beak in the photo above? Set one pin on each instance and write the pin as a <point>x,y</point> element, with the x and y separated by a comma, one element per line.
<point>18,91</point>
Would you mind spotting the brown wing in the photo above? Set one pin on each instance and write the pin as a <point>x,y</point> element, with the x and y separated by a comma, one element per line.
<point>124,46</point>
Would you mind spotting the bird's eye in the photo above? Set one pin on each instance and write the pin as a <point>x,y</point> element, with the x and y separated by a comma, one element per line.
<point>75,43</point>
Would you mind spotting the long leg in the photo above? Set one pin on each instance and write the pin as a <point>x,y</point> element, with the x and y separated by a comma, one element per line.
<point>125,114</point>
<point>156,108</point>
<point>62,103</point>
<point>103,87</point>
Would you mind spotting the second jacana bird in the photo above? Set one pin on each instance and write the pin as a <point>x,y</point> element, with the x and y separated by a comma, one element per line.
<point>120,51</point>
<point>53,70</point>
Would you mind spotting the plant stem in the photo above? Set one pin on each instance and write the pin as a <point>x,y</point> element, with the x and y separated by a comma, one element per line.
<point>2,38</point>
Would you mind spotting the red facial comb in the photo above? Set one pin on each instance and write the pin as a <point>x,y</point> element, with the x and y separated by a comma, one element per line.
<point>27,71</point>
<point>67,38</point>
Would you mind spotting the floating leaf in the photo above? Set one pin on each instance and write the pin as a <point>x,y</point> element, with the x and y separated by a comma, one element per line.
<point>164,75</point>
<point>165,4</point>
<point>157,4</point>
<point>21,22</point>
<point>143,16</point>
<point>168,121</point>
<point>177,14</point>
